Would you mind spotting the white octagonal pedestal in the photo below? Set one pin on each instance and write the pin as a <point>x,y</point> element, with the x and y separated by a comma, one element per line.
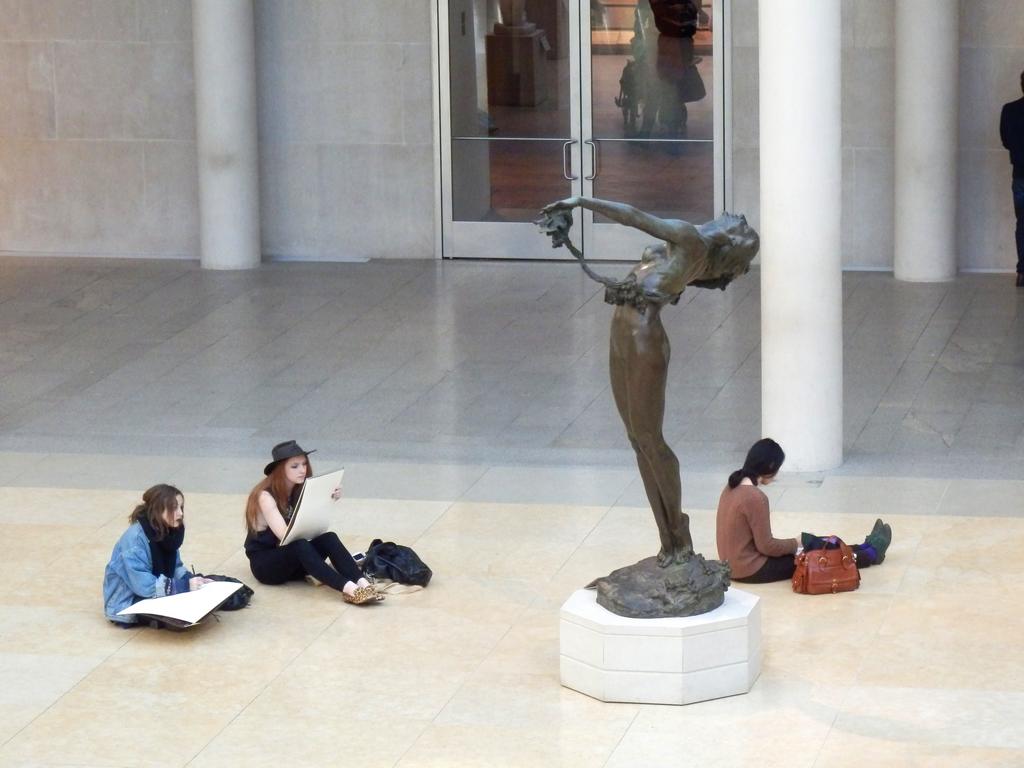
<point>660,661</point>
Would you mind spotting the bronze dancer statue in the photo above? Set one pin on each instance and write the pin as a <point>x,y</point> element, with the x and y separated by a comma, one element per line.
<point>707,256</point>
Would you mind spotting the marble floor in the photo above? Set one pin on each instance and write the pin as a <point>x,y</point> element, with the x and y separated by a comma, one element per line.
<point>469,406</point>
<point>485,363</point>
<point>920,667</point>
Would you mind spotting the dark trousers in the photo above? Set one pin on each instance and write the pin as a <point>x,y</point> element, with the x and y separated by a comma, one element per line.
<point>781,568</point>
<point>296,560</point>
<point>1018,209</point>
<point>774,569</point>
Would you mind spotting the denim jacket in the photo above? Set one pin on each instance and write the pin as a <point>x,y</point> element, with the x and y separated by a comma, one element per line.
<point>129,575</point>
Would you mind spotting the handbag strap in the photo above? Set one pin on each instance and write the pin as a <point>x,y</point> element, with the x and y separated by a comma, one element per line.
<point>848,560</point>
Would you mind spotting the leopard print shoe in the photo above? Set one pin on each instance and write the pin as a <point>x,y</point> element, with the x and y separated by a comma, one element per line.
<point>361,596</point>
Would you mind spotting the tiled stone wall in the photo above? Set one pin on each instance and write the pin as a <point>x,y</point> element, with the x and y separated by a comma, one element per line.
<point>991,58</point>
<point>97,136</point>
<point>97,150</point>
<point>346,141</point>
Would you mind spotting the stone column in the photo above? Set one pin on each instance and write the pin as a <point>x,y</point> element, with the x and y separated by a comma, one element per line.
<point>801,200</point>
<point>927,61</point>
<point>224,56</point>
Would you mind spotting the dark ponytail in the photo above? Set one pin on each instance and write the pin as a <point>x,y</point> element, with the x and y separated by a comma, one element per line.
<point>764,459</point>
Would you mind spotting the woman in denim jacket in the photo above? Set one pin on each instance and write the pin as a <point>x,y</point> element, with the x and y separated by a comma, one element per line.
<point>146,561</point>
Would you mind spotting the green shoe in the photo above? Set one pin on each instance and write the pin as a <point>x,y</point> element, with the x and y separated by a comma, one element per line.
<point>880,538</point>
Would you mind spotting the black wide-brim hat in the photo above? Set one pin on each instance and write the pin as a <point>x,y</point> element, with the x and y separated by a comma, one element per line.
<point>286,450</point>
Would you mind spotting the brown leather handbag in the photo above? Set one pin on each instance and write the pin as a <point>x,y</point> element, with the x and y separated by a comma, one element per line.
<point>823,571</point>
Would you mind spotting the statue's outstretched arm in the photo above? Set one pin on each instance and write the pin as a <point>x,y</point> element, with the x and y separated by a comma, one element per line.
<point>670,230</point>
<point>555,222</point>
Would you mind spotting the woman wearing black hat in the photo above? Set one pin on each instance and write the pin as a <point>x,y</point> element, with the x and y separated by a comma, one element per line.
<point>267,512</point>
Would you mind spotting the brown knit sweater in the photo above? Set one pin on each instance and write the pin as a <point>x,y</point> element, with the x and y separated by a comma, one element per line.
<point>745,531</point>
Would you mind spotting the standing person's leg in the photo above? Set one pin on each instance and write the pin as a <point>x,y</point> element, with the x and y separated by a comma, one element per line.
<point>1018,209</point>
<point>329,545</point>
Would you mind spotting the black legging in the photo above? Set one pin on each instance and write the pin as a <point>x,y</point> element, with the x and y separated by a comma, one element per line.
<point>782,567</point>
<point>296,560</point>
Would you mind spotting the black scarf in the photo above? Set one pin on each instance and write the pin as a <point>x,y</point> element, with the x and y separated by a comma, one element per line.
<point>164,551</point>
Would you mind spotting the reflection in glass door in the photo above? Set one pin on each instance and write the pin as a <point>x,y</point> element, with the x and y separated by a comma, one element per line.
<point>543,99</point>
<point>649,116</point>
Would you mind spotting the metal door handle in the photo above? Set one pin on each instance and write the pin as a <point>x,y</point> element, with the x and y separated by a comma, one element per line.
<point>595,155</point>
<point>566,161</point>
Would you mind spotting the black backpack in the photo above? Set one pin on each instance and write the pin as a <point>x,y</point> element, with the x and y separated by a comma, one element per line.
<point>387,560</point>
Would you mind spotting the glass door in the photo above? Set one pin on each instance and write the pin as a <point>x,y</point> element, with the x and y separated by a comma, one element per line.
<point>544,99</point>
<point>513,122</point>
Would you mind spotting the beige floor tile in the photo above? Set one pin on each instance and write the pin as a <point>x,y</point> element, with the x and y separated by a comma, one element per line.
<point>466,556</point>
<point>54,584</point>
<point>949,716</point>
<point>314,728</point>
<point>925,641</point>
<point>37,629</point>
<point>774,725</point>
<point>869,496</point>
<point>163,733</point>
<point>251,633</point>
<point>448,633</point>
<point>543,522</point>
<point>530,647</point>
<point>591,562</point>
<point>171,677</point>
<point>388,519</point>
<point>23,544</point>
<point>485,746</point>
<point>373,689</point>
<point>484,600</point>
<point>977,541</point>
<point>64,506</point>
<point>32,682</point>
<point>512,699</point>
<point>969,556</point>
<point>907,753</point>
<point>620,523</point>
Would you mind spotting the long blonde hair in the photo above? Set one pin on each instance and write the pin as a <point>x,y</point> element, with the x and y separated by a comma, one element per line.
<point>276,484</point>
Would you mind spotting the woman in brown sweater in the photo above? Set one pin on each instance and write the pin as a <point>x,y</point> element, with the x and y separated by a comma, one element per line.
<point>744,527</point>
